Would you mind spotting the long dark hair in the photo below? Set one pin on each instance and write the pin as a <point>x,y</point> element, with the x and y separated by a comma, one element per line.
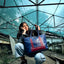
<point>20,30</point>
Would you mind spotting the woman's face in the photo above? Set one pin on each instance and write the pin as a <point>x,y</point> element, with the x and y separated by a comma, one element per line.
<point>25,26</point>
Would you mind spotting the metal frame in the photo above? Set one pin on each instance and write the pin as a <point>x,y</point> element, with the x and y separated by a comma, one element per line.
<point>10,20</point>
<point>27,20</point>
<point>54,20</point>
<point>46,20</point>
<point>29,13</point>
<point>37,10</point>
<point>59,24</point>
<point>13,32</point>
<point>32,5</point>
<point>17,7</point>
<point>51,14</point>
<point>41,1</point>
<point>57,7</point>
<point>32,2</point>
<point>4,3</point>
<point>7,23</point>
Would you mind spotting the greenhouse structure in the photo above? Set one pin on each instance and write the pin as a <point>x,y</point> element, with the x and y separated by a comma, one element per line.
<point>48,15</point>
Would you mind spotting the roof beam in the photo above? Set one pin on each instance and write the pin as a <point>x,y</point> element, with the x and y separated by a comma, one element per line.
<point>29,13</point>
<point>28,20</point>
<point>37,12</point>
<point>54,20</point>
<point>53,27</point>
<point>46,20</point>
<point>32,1</point>
<point>12,32</point>
<point>4,2</point>
<point>10,20</point>
<point>7,28</point>
<point>41,1</point>
<point>51,14</point>
<point>59,25</point>
<point>32,5</point>
<point>17,7</point>
<point>57,7</point>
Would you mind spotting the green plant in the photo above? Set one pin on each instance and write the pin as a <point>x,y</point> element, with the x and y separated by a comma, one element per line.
<point>4,55</point>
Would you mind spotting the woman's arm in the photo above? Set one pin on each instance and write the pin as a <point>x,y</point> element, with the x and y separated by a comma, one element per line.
<point>37,27</point>
<point>36,31</point>
<point>24,31</point>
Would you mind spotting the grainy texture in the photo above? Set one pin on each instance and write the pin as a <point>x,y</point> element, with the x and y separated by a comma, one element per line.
<point>32,61</point>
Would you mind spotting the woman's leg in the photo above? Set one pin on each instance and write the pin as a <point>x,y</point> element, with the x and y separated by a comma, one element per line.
<point>39,58</point>
<point>19,52</point>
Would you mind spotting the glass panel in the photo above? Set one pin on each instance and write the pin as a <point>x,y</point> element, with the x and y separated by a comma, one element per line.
<point>16,21</point>
<point>1,2</point>
<point>14,34</point>
<point>39,1</point>
<point>50,1</point>
<point>62,1</point>
<point>48,23</point>
<point>4,25</point>
<point>43,17</point>
<point>48,9</point>
<point>19,2</point>
<point>32,18</point>
<point>59,21</point>
<point>10,13</point>
<point>10,3</point>
<point>5,31</point>
<point>60,11</point>
<point>2,21</point>
<point>27,10</point>
<point>34,1</point>
<point>45,29</point>
<point>12,26</point>
<point>14,16</point>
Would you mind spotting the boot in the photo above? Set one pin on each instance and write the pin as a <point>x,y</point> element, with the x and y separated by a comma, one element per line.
<point>24,61</point>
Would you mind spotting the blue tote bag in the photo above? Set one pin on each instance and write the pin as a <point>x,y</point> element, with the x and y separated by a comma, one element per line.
<point>35,43</point>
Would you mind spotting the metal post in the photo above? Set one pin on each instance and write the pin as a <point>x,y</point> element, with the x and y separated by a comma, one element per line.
<point>37,11</point>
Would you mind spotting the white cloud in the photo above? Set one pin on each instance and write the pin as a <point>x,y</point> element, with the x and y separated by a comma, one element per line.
<point>17,20</point>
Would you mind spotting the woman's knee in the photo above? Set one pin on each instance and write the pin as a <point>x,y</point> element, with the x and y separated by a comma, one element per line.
<point>40,58</point>
<point>19,45</point>
<point>19,50</point>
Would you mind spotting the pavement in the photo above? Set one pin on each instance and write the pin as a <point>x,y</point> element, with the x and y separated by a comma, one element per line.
<point>31,60</point>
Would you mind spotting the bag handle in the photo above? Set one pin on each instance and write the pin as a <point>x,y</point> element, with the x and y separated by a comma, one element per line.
<point>32,31</point>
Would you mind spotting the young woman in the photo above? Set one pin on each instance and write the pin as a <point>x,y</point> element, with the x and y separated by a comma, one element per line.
<point>24,31</point>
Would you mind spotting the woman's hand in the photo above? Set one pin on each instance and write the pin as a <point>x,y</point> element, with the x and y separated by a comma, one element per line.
<point>37,27</point>
<point>24,30</point>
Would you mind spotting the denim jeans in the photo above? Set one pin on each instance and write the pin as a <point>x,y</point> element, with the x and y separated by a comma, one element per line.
<point>19,52</point>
